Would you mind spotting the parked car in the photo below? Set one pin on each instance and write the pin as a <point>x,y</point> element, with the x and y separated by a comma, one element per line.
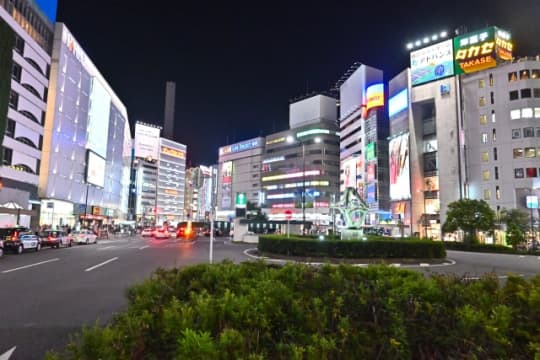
<point>29,241</point>
<point>55,238</point>
<point>83,236</point>
<point>10,237</point>
<point>162,233</point>
<point>147,232</point>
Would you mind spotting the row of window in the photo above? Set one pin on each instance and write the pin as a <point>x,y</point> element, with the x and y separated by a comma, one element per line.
<point>481,82</point>
<point>528,152</point>
<point>487,193</point>
<point>7,160</point>
<point>524,75</point>
<point>16,74</point>
<point>525,113</point>
<point>520,173</point>
<point>524,94</point>
<point>528,132</point>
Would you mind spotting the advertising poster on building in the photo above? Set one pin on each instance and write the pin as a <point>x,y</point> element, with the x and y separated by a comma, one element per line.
<point>349,173</point>
<point>371,194</point>
<point>370,151</point>
<point>370,173</point>
<point>95,169</point>
<point>432,63</point>
<point>146,141</point>
<point>226,185</point>
<point>400,187</point>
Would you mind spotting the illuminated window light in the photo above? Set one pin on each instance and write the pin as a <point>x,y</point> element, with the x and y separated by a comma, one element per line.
<point>274,159</point>
<point>291,176</point>
<point>281,196</point>
<point>444,34</point>
<point>418,43</point>
<point>434,37</point>
<point>426,40</point>
<point>281,206</point>
<point>312,132</point>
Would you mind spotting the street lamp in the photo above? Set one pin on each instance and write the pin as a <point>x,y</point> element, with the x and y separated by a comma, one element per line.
<point>291,140</point>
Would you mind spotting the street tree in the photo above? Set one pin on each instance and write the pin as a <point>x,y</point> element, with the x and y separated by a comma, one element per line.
<point>470,216</point>
<point>516,217</point>
<point>514,235</point>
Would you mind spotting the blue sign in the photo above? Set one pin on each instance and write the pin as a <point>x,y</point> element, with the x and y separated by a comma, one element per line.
<point>398,102</point>
<point>49,8</point>
<point>371,194</point>
<point>241,146</point>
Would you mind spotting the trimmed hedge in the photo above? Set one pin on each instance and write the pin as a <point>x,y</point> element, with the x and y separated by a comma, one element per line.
<point>487,248</point>
<point>374,247</point>
<point>257,311</point>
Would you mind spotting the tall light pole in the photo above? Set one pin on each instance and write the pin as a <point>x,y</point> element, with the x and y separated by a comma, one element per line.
<point>291,140</point>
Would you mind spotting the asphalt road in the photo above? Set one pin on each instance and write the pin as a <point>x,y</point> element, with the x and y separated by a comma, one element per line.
<point>48,295</point>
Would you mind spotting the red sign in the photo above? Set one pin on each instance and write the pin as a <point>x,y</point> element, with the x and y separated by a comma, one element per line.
<point>288,214</point>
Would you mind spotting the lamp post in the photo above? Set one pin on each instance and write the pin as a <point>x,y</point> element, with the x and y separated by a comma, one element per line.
<point>291,140</point>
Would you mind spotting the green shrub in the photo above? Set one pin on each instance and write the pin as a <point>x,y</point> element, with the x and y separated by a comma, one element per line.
<point>476,247</point>
<point>258,311</point>
<point>374,247</point>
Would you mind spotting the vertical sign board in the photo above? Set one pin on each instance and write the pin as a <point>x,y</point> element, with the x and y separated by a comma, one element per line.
<point>226,185</point>
<point>481,50</point>
<point>241,200</point>
<point>532,202</point>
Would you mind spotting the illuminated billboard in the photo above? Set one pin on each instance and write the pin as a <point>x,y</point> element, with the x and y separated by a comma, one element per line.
<point>146,141</point>
<point>371,172</point>
<point>432,63</point>
<point>398,103</point>
<point>374,98</point>
<point>370,151</point>
<point>98,118</point>
<point>48,8</point>
<point>95,169</point>
<point>371,194</point>
<point>481,50</point>
<point>177,153</point>
<point>226,185</point>
<point>241,146</point>
<point>349,173</point>
<point>400,185</point>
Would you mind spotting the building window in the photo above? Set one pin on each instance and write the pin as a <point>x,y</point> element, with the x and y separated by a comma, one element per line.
<point>532,172</point>
<point>481,83</point>
<point>487,194</point>
<point>493,116</point>
<point>514,95</point>
<point>483,119</point>
<point>518,173</point>
<point>484,138</point>
<point>524,75</point>
<point>518,153</point>
<point>530,152</point>
<point>10,128</point>
<point>491,81</point>
<point>496,173</point>
<point>16,71</point>
<point>254,185</point>
<point>485,175</point>
<point>492,97</point>
<point>495,154</point>
<point>255,175</point>
<point>494,133</point>
<point>515,114</point>
<point>19,44</point>
<point>7,155</point>
<point>516,133</point>
<point>536,92</point>
<point>13,100</point>
<point>485,156</point>
<point>527,113</point>
<point>538,132</point>
<point>526,93</point>
<point>537,113</point>
<point>512,76</point>
<point>482,101</point>
<point>497,192</point>
<point>535,73</point>
<point>538,152</point>
<point>528,132</point>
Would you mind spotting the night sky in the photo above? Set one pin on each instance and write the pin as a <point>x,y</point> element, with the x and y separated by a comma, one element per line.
<point>237,66</point>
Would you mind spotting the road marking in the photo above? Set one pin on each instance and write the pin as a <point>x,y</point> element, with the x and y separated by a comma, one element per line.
<point>7,354</point>
<point>144,247</point>
<point>521,256</point>
<point>395,265</point>
<point>499,277</point>
<point>103,263</point>
<point>424,264</point>
<point>29,266</point>
<point>107,247</point>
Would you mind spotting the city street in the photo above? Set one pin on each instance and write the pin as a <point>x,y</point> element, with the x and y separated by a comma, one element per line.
<point>50,294</point>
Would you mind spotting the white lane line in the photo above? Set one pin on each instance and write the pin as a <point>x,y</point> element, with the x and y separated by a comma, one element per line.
<point>103,263</point>
<point>107,247</point>
<point>521,256</point>
<point>29,266</point>
<point>144,247</point>
<point>424,264</point>
<point>7,354</point>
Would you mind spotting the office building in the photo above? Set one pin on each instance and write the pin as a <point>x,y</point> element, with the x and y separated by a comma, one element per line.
<point>171,179</point>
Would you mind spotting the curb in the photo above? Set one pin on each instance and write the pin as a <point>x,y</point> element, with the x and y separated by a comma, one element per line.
<point>449,262</point>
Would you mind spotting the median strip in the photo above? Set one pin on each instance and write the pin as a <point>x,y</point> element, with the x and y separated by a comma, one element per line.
<point>29,266</point>
<point>103,263</point>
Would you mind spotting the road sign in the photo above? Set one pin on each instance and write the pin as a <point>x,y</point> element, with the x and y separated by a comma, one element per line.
<point>288,214</point>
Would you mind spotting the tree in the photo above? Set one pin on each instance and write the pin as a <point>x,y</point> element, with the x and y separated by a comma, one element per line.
<point>514,235</point>
<point>516,217</point>
<point>470,216</point>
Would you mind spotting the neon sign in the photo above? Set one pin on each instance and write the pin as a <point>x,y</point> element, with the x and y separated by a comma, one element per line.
<point>241,146</point>
<point>173,152</point>
<point>374,98</point>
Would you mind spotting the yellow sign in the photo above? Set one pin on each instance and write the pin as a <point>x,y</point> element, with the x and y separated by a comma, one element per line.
<point>275,141</point>
<point>374,98</point>
<point>173,152</point>
<point>171,192</point>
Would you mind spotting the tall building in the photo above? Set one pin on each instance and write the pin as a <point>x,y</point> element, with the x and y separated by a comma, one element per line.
<point>364,145</point>
<point>171,181</point>
<point>239,172</point>
<point>300,166</point>
<point>200,195</point>
<point>170,101</point>
<point>84,165</point>
<point>25,46</point>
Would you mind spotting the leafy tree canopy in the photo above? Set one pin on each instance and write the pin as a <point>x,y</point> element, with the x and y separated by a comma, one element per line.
<point>469,215</point>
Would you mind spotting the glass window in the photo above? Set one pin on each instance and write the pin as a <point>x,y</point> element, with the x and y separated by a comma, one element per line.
<point>496,173</point>
<point>497,192</point>
<point>514,95</point>
<point>493,116</point>
<point>495,153</point>
<point>518,173</point>
<point>530,152</point>
<point>484,138</point>
<point>485,156</point>
<point>481,84</point>
<point>515,114</point>
<point>538,152</point>
<point>492,97</point>
<point>482,101</point>
<point>19,44</point>
<point>536,92</point>
<point>535,73</point>
<point>13,100</point>
<point>537,113</point>
<point>491,82</point>
<point>487,194</point>
<point>16,71</point>
<point>494,134</point>
<point>518,153</point>
<point>532,172</point>
<point>512,76</point>
<point>528,132</point>
<point>485,175</point>
<point>516,133</point>
<point>526,93</point>
<point>527,113</point>
<point>483,119</point>
<point>7,156</point>
<point>10,128</point>
<point>538,132</point>
<point>524,74</point>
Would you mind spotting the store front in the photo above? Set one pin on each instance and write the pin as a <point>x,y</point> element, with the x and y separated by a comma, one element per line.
<point>57,213</point>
